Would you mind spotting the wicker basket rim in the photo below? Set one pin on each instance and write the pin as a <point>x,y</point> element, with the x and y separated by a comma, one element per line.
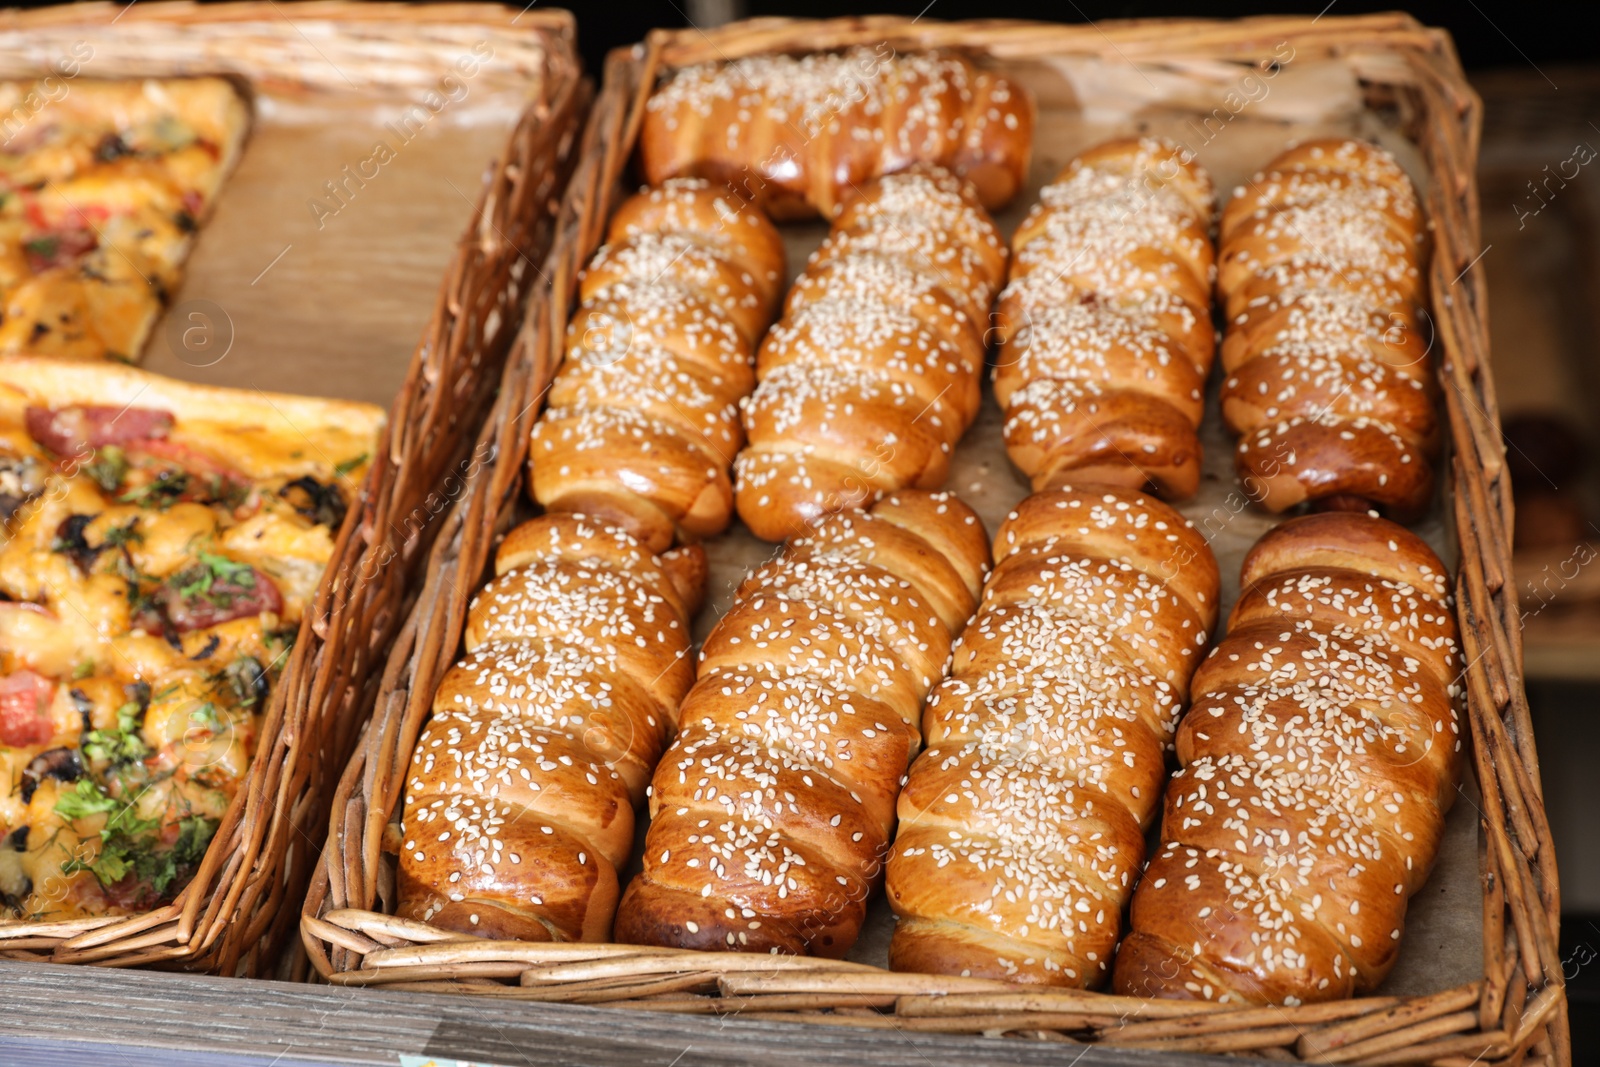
<point>391,14</point>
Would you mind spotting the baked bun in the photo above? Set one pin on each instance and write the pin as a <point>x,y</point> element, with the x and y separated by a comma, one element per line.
<point>801,133</point>
<point>519,802</point>
<point>1022,824</point>
<point>873,373</point>
<point>772,810</point>
<point>1318,760</point>
<point>642,419</point>
<point>1329,382</point>
<point>1105,328</point>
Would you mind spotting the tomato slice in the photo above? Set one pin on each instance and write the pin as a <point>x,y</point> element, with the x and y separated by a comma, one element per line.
<point>25,709</point>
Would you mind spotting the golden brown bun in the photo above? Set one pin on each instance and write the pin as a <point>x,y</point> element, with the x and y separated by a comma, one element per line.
<point>642,420</point>
<point>1105,332</point>
<point>1329,381</point>
<point>1318,760</point>
<point>713,217</point>
<point>689,570</point>
<point>799,133</point>
<point>1021,825</point>
<point>1347,542</point>
<point>872,376</point>
<point>520,798</point>
<point>771,812</point>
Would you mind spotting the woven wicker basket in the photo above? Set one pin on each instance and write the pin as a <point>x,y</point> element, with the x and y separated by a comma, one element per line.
<point>1515,1013</point>
<point>231,918</point>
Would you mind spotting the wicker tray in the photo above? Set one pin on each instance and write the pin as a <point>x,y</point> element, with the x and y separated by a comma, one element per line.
<point>1511,1009</point>
<point>231,918</point>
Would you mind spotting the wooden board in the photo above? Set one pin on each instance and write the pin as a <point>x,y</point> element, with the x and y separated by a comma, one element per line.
<point>54,1016</point>
<point>296,289</point>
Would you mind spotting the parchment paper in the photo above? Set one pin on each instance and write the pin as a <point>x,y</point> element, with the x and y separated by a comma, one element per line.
<point>1080,104</point>
<point>282,296</point>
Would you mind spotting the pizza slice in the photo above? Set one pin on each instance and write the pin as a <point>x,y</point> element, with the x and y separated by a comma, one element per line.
<point>161,542</point>
<point>101,193</point>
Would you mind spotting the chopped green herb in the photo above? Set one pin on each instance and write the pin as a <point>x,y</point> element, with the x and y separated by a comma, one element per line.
<point>125,744</point>
<point>85,798</point>
<point>194,834</point>
<point>108,468</point>
<point>198,579</point>
<point>126,534</point>
<point>83,670</point>
<point>162,493</point>
<point>205,716</point>
<point>229,492</point>
<point>43,247</point>
<point>111,866</point>
<point>130,845</point>
<point>350,464</point>
<point>144,605</point>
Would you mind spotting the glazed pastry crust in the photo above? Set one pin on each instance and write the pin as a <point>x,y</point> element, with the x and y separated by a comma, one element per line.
<point>772,810</point>
<point>1330,386</point>
<point>1022,824</point>
<point>800,134</point>
<point>1318,760</point>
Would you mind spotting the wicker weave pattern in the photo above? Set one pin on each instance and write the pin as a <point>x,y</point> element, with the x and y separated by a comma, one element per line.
<point>1515,1014</point>
<point>232,919</point>
<point>330,46</point>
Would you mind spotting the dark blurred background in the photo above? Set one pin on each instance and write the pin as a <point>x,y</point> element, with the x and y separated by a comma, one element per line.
<point>1487,34</point>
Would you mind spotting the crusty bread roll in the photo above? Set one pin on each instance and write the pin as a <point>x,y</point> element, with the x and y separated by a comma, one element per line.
<point>873,374</point>
<point>1022,825</point>
<point>772,810</point>
<point>520,799</point>
<point>800,133</point>
<point>1330,384</point>
<point>642,420</point>
<point>1105,327</point>
<point>1319,758</point>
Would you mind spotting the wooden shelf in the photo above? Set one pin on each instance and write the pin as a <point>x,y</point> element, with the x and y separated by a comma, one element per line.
<point>56,1015</point>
